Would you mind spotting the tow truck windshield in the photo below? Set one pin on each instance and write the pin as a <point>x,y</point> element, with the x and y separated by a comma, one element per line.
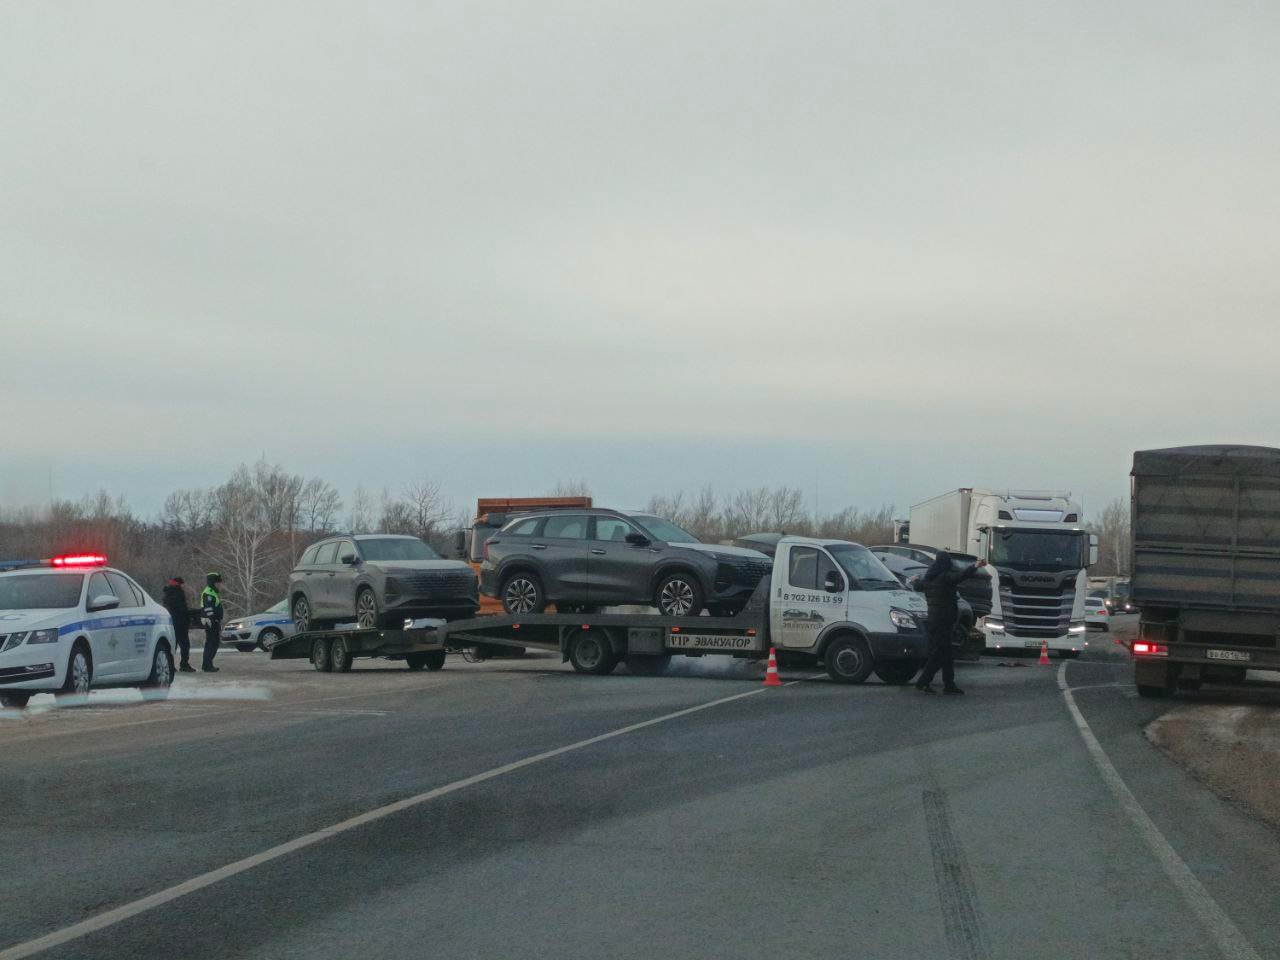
<point>864,567</point>
<point>1038,550</point>
<point>40,591</point>
<point>397,548</point>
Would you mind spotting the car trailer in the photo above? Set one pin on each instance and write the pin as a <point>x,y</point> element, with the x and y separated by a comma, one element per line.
<point>419,645</point>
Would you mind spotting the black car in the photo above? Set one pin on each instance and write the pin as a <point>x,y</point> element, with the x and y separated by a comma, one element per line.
<point>585,559</point>
<point>378,581</point>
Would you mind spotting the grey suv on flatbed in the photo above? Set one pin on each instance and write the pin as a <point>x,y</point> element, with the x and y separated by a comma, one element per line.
<point>584,559</point>
<point>378,581</point>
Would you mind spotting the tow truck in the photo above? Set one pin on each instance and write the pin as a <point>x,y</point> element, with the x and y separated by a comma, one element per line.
<point>828,602</point>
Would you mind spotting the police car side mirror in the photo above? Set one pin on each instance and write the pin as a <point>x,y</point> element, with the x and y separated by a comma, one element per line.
<point>104,602</point>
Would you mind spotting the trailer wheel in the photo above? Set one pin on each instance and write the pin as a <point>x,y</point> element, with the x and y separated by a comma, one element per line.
<point>896,672</point>
<point>848,659</point>
<point>590,652</point>
<point>648,666</point>
<point>320,655</point>
<point>340,655</point>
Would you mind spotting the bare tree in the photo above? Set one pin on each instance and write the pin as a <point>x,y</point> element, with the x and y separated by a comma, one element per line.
<point>360,520</point>
<point>571,488</point>
<point>318,506</point>
<point>1112,528</point>
<point>785,511</point>
<point>241,545</point>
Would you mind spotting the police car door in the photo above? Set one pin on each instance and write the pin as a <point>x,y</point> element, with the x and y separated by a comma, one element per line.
<point>803,605</point>
<point>106,637</point>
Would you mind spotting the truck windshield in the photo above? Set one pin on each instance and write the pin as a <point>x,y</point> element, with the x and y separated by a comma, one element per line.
<point>864,566</point>
<point>665,530</point>
<point>397,548</point>
<point>1038,549</point>
<point>41,591</point>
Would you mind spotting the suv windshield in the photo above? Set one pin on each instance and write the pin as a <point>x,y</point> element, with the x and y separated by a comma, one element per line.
<point>41,591</point>
<point>660,529</point>
<point>864,566</point>
<point>397,548</point>
<point>1038,550</point>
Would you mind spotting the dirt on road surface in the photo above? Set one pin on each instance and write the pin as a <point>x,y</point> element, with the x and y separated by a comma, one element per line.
<point>1230,740</point>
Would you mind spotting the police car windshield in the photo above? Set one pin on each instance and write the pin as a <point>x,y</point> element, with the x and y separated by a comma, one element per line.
<point>40,591</point>
<point>397,548</point>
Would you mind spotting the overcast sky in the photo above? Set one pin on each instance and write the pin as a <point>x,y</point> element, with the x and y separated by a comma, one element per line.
<point>875,250</point>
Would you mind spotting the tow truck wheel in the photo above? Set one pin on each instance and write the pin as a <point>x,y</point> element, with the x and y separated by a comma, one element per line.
<point>340,655</point>
<point>522,594</point>
<point>896,672</point>
<point>590,652</point>
<point>679,595</point>
<point>848,659</point>
<point>320,655</point>
<point>434,661</point>
<point>648,666</point>
<point>17,700</point>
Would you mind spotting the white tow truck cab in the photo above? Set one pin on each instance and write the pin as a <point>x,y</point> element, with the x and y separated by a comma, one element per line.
<point>826,602</point>
<point>1039,554</point>
<point>71,623</point>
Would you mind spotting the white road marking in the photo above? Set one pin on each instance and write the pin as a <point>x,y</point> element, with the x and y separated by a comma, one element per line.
<point>1231,943</point>
<point>121,913</point>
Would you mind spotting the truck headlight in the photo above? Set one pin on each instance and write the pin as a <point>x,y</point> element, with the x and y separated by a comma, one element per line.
<point>903,620</point>
<point>995,626</point>
<point>1076,628</point>
<point>42,636</point>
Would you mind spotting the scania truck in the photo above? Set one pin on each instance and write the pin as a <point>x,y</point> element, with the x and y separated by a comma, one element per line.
<point>1039,554</point>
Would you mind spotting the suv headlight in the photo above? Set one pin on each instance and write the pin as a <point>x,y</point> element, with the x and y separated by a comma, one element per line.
<point>43,636</point>
<point>903,620</point>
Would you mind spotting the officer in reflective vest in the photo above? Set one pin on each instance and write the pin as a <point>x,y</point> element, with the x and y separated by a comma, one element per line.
<point>211,613</point>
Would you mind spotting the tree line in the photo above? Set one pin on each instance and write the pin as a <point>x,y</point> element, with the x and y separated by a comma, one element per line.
<point>253,527</point>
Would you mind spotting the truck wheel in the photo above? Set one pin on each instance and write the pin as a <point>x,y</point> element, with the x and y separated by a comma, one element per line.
<point>302,614</point>
<point>522,594</point>
<point>340,655</point>
<point>433,661</point>
<point>17,699</point>
<point>320,655</point>
<point>678,594</point>
<point>896,672</point>
<point>590,652</point>
<point>648,666</point>
<point>848,659</point>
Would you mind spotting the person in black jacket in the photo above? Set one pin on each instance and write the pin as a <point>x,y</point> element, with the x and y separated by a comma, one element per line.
<point>174,599</point>
<point>940,583</point>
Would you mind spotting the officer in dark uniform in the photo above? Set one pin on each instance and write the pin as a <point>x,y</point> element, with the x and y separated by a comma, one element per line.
<point>941,581</point>
<point>211,612</point>
<point>174,599</point>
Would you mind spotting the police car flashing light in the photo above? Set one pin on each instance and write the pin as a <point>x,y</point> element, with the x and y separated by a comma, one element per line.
<point>71,623</point>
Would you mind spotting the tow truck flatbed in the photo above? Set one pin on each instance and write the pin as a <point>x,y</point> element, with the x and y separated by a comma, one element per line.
<point>333,650</point>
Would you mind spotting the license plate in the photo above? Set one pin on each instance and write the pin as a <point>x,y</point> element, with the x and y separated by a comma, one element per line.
<point>1226,655</point>
<point>1031,644</point>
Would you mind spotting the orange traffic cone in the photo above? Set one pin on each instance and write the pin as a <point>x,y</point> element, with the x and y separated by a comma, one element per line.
<point>1044,653</point>
<point>771,678</point>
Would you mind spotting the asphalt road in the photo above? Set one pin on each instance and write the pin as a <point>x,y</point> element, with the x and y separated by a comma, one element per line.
<point>811,821</point>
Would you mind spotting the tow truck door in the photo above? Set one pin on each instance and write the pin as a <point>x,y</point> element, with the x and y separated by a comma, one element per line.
<point>801,606</point>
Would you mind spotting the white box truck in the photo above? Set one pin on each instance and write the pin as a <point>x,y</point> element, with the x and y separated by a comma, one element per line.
<point>1039,555</point>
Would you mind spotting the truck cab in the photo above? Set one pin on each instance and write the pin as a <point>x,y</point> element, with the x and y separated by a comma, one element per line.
<point>835,601</point>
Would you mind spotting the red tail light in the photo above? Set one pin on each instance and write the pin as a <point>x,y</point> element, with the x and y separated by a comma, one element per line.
<point>485,549</point>
<point>79,560</point>
<point>1145,648</point>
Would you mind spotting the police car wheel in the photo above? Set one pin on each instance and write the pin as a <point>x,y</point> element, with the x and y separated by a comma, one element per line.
<point>267,637</point>
<point>245,647</point>
<point>161,677</point>
<point>15,700</point>
<point>79,671</point>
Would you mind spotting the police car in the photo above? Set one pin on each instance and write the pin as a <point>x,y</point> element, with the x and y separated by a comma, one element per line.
<point>72,623</point>
<point>261,629</point>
